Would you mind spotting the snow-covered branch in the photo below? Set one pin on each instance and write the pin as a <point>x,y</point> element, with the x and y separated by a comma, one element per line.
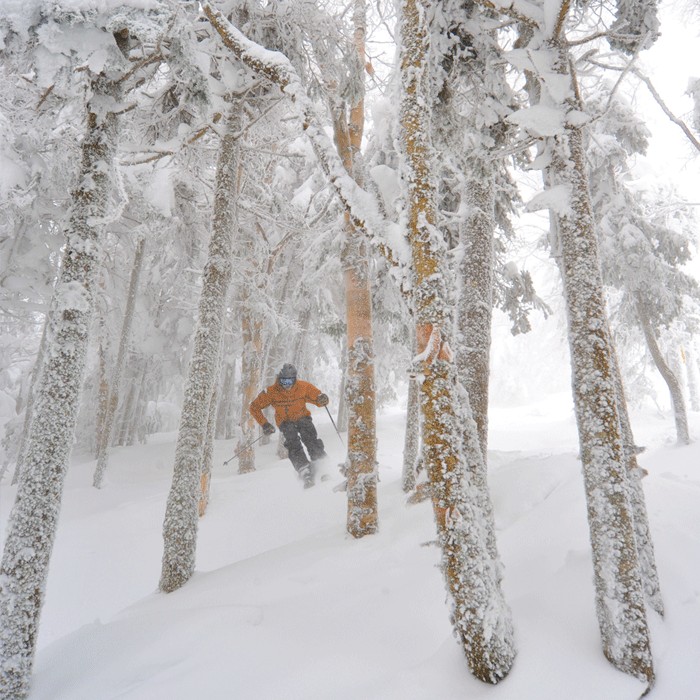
<point>519,10</point>
<point>657,97</point>
<point>360,204</point>
<point>676,120</point>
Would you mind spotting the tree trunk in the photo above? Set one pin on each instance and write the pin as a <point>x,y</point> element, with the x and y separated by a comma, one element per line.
<point>29,407</point>
<point>125,431</point>
<point>108,426</point>
<point>181,516</point>
<point>411,443</point>
<point>137,429</point>
<point>205,479</point>
<point>480,617</point>
<point>103,393</point>
<point>225,399</point>
<point>645,546</point>
<point>361,462</point>
<point>693,379</point>
<point>251,380</point>
<point>32,525</point>
<point>674,387</point>
<point>475,304</point>
<point>619,591</point>
<point>342,415</point>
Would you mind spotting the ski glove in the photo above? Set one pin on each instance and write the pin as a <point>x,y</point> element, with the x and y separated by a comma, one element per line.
<point>322,400</point>
<point>268,429</point>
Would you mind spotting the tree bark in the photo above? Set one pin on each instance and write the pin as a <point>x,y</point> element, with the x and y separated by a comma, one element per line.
<point>181,516</point>
<point>411,443</point>
<point>103,393</point>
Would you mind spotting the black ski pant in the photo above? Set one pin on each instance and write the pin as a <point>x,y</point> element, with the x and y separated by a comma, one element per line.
<point>301,431</point>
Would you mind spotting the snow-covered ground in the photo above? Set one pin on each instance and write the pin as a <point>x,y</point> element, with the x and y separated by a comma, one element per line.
<point>285,605</point>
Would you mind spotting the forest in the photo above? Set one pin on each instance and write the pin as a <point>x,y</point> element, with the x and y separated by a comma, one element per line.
<point>193,194</point>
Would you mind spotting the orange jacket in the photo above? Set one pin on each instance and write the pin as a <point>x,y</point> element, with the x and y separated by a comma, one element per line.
<point>289,404</point>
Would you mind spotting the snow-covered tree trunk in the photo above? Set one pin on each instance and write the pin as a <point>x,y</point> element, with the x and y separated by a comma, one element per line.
<point>103,393</point>
<point>361,463</point>
<point>223,428</point>
<point>29,406</point>
<point>251,380</point>
<point>111,408</point>
<point>645,545</point>
<point>34,517</point>
<point>691,364</point>
<point>342,416</point>
<point>411,443</point>
<point>617,575</point>
<point>677,401</point>
<point>475,305</point>
<point>128,426</point>
<point>362,518</point>
<point>181,516</point>
<point>481,619</point>
<point>208,460</point>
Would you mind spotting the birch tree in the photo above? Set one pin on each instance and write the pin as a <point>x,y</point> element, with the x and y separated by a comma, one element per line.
<point>361,465</point>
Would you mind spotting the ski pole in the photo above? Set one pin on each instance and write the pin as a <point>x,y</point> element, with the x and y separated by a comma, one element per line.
<point>245,447</point>
<point>335,426</point>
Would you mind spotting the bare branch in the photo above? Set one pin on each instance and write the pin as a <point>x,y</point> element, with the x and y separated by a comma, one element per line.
<point>676,120</point>
<point>44,95</point>
<point>629,68</point>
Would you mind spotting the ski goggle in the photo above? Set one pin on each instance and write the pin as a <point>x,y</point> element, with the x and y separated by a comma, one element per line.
<point>286,382</point>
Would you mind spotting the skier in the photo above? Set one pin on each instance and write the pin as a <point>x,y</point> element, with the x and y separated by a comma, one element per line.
<point>289,396</point>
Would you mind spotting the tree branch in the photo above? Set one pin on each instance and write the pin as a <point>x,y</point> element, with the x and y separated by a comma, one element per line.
<point>361,206</point>
<point>516,10</point>
<point>657,97</point>
<point>676,120</point>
